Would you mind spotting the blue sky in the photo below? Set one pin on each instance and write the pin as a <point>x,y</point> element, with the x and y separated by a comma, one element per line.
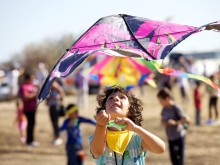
<point>26,21</point>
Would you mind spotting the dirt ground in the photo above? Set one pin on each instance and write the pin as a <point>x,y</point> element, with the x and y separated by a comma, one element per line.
<point>202,142</point>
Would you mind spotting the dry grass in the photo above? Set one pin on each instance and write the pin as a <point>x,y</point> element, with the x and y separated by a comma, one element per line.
<point>202,143</point>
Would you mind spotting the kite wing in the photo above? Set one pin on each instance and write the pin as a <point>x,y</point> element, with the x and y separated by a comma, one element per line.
<point>124,36</point>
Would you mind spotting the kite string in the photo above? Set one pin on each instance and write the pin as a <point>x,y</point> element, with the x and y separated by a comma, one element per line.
<point>106,130</point>
<point>176,73</point>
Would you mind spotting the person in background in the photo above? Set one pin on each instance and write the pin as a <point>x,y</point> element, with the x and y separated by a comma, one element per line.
<point>41,73</point>
<point>28,93</point>
<point>13,83</point>
<point>175,120</point>
<point>82,85</point>
<point>163,80</point>
<point>55,101</point>
<point>197,101</point>
<point>184,87</point>
<point>74,146</point>
<point>213,99</point>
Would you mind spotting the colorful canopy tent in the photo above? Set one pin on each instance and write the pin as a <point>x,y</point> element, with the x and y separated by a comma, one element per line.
<point>123,35</point>
<point>125,72</point>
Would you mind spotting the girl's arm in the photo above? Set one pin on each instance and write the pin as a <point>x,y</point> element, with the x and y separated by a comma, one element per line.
<point>85,120</point>
<point>149,142</point>
<point>59,88</point>
<point>98,142</point>
<point>64,126</point>
<point>28,96</point>
<point>169,122</point>
<point>184,120</point>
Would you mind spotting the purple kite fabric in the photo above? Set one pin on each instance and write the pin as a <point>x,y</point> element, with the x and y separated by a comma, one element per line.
<point>124,36</point>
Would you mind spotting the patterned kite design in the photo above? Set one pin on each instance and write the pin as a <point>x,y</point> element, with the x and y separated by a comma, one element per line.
<point>124,36</point>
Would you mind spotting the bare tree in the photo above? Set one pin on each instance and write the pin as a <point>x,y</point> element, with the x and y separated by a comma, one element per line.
<point>48,52</point>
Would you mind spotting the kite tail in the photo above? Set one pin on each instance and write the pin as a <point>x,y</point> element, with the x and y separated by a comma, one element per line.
<point>177,73</point>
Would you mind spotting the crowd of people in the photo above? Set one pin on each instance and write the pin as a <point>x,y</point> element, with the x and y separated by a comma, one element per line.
<point>186,85</point>
<point>25,87</point>
<point>108,144</point>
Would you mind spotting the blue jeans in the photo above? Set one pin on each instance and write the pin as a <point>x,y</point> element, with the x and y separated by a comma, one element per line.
<point>72,154</point>
<point>197,116</point>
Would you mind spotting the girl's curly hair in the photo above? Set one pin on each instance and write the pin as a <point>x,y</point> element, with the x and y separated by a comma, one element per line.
<point>135,108</point>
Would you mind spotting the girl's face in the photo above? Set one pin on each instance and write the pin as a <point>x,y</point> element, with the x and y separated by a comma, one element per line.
<point>73,115</point>
<point>117,105</point>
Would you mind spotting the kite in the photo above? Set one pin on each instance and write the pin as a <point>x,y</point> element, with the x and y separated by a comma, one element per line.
<point>124,36</point>
<point>115,70</point>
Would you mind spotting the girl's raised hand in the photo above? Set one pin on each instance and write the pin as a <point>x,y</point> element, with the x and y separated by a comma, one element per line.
<point>102,118</point>
<point>130,125</point>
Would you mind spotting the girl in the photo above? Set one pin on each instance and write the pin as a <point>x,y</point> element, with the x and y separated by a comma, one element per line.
<point>74,146</point>
<point>55,100</point>
<point>129,146</point>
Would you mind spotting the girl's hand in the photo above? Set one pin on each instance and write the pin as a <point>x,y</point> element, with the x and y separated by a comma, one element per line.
<point>131,126</point>
<point>102,118</point>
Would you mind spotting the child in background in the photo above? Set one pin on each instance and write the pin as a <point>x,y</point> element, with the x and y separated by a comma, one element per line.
<point>128,146</point>
<point>173,118</point>
<point>197,101</point>
<point>74,146</point>
<point>55,100</point>
<point>28,93</point>
<point>21,120</point>
<point>213,100</point>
